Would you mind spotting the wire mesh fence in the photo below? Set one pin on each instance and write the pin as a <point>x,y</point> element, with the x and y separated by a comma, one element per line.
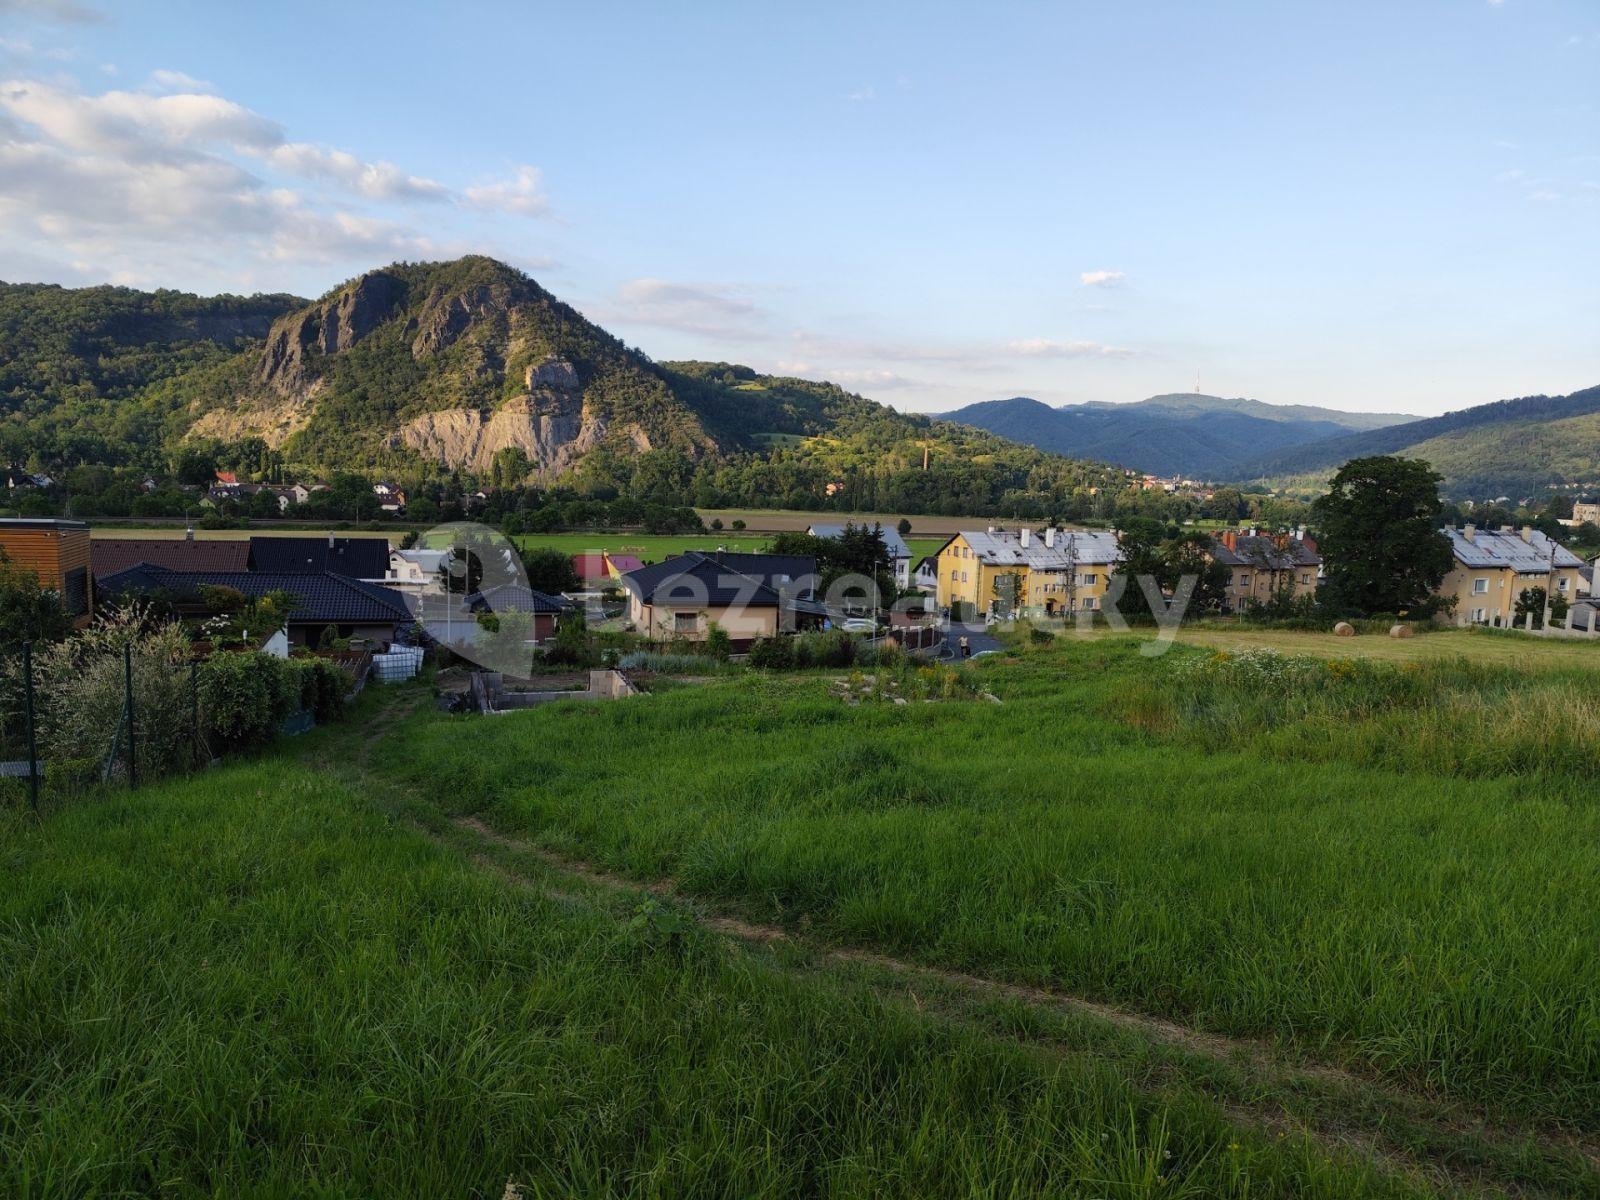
<point>73,716</point>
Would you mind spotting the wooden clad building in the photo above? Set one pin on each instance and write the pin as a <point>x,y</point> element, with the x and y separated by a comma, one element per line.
<point>58,553</point>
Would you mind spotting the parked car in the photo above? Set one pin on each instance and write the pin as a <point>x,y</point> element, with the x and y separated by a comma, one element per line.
<point>859,625</point>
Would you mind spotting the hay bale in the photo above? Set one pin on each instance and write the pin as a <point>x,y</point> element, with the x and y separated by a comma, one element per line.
<point>1344,629</point>
<point>1400,631</point>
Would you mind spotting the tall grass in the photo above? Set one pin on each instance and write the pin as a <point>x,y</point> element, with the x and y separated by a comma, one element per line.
<point>256,983</point>
<point>1417,905</point>
<point>1441,717</point>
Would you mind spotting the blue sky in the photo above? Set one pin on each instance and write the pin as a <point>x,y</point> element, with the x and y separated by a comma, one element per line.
<point>1381,206</point>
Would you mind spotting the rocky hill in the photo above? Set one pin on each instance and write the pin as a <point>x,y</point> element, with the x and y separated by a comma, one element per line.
<point>456,362</point>
<point>416,370</point>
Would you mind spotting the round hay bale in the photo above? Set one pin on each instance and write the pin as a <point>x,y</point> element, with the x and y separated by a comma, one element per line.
<point>1344,629</point>
<point>1400,631</point>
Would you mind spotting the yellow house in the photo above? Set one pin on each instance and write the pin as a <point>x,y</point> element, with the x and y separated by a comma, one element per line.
<point>1055,572</point>
<point>1264,566</point>
<point>1492,569</point>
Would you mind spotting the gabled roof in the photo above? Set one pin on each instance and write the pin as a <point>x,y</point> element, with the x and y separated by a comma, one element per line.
<point>590,566</point>
<point>1264,552</point>
<point>323,596</point>
<point>359,558</point>
<point>512,597</point>
<point>1077,547</point>
<point>110,555</point>
<point>696,578</point>
<point>621,564</point>
<point>1497,549</point>
<point>891,537</point>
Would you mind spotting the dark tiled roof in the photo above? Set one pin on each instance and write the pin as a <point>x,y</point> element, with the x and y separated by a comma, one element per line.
<point>511,597</point>
<point>325,596</point>
<point>359,558</point>
<point>110,555</point>
<point>696,578</point>
<point>1264,553</point>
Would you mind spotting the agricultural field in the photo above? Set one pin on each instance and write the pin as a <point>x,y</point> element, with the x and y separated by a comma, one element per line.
<point>654,548</point>
<point>1210,924</point>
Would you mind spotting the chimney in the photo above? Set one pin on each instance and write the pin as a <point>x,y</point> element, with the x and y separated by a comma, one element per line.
<point>1229,538</point>
<point>1527,534</point>
<point>188,534</point>
<point>330,541</point>
<point>991,531</point>
<point>1309,543</point>
<point>1050,538</point>
<point>1025,537</point>
<point>1468,530</point>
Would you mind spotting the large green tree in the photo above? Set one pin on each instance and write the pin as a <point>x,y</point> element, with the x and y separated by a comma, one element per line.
<point>1380,534</point>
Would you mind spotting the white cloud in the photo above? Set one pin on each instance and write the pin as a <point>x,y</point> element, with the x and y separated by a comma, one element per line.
<point>67,11</point>
<point>186,185</point>
<point>1101,278</point>
<point>863,94</point>
<point>704,308</point>
<point>1046,348</point>
<point>522,194</point>
<point>376,181</point>
<point>177,81</point>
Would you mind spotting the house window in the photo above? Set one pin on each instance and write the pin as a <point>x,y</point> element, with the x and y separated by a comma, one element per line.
<point>1305,577</point>
<point>1088,602</point>
<point>1088,580</point>
<point>1480,586</point>
<point>685,622</point>
<point>1241,580</point>
<point>1561,584</point>
<point>1479,615</point>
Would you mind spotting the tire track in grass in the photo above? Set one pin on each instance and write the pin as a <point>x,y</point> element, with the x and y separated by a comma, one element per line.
<point>1404,1133</point>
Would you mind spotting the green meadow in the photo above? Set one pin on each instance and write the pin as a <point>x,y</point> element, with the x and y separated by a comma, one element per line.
<point>1210,924</point>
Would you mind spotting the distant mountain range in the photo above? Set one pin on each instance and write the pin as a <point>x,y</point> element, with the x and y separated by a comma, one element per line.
<point>1512,448</point>
<point>1184,433</point>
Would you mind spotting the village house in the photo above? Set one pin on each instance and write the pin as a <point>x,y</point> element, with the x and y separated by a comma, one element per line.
<point>391,499</point>
<point>749,596</point>
<point>323,600</point>
<point>1492,568</point>
<point>1587,509</point>
<point>358,557</point>
<point>1264,566</point>
<point>58,553</point>
<point>899,552</point>
<point>1056,572</point>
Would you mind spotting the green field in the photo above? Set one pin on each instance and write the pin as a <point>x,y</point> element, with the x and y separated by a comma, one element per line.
<point>654,548</point>
<point>1199,926</point>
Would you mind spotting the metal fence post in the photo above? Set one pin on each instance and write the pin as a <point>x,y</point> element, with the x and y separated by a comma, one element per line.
<point>33,746</point>
<point>133,750</point>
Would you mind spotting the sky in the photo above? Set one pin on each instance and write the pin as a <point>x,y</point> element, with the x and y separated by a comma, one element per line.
<point>1379,206</point>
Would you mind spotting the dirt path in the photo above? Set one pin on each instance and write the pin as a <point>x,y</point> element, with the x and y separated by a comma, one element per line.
<point>1402,1132</point>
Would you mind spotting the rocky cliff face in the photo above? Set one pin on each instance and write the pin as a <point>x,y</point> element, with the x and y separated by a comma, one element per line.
<point>336,324</point>
<point>548,423</point>
<point>454,362</point>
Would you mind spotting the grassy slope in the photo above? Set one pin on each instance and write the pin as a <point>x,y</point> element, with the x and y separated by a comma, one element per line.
<point>261,983</point>
<point>1427,926</point>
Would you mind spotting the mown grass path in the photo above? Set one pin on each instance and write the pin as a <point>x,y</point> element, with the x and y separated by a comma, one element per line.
<point>1255,1082</point>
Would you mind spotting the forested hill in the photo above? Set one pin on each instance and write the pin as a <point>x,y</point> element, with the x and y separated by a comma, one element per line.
<point>470,367</point>
<point>75,363</point>
<point>1513,448</point>
<point>1184,433</point>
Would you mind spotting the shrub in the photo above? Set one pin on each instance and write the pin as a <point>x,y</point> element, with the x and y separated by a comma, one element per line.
<point>322,688</point>
<point>773,653</point>
<point>718,643</point>
<point>244,697</point>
